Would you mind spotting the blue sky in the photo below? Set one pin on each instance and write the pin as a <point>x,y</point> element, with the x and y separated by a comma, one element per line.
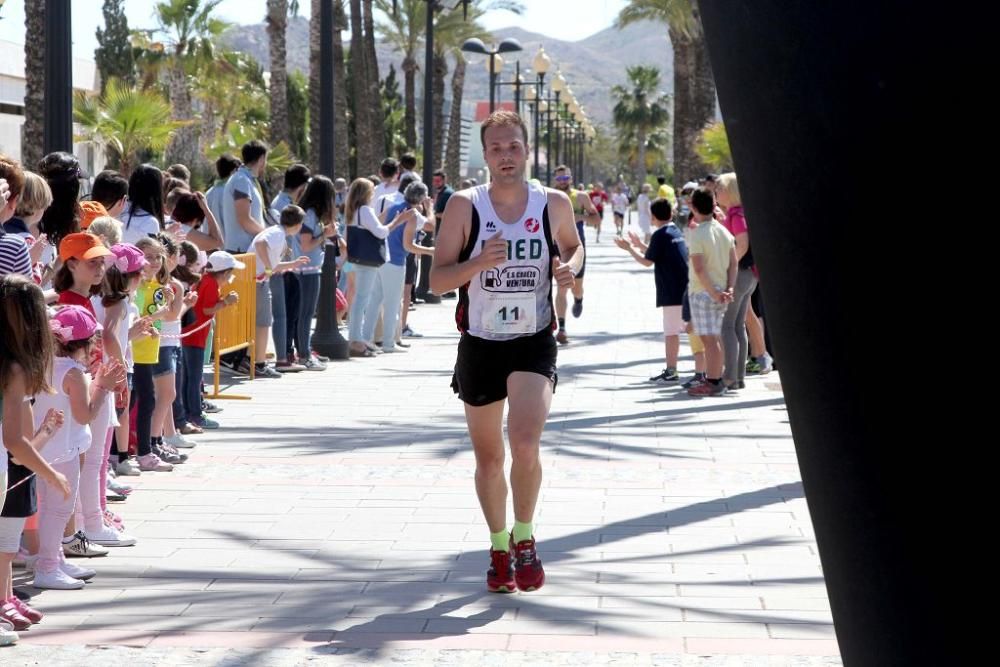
<point>569,20</point>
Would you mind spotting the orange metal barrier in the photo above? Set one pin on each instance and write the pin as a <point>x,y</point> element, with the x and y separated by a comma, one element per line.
<point>235,327</point>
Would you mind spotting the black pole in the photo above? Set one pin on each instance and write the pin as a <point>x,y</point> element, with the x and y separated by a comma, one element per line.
<point>58,77</point>
<point>327,340</point>
<point>422,289</point>
<point>517,88</point>
<point>429,95</point>
<point>548,147</point>
<point>859,95</point>
<point>493,82</point>
<point>538,101</point>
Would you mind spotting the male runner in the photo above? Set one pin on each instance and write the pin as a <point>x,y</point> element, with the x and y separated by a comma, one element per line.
<point>498,247</point>
<point>599,198</point>
<point>583,210</point>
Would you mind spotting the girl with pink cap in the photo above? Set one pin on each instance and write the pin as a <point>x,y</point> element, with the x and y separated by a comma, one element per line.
<point>75,330</point>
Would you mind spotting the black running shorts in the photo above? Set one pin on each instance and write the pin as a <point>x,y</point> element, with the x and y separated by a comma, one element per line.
<point>411,269</point>
<point>483,366</point>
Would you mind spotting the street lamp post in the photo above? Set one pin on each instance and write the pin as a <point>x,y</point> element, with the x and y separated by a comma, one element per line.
<point>476,45</point>
<point>58,77</point>
<point>327,340</point>
<point>540,64</point>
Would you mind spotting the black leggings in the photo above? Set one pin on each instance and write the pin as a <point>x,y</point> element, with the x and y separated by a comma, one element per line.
<point>143,393</point>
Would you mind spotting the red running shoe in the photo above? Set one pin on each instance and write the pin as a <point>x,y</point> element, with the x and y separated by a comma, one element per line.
<point>500,576</point>
<point>528,571</point>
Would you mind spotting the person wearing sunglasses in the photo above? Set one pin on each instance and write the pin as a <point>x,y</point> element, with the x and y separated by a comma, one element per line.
<point>583,210</point>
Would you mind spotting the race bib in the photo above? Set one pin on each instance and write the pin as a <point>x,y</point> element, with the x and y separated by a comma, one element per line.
<point>509,313</point>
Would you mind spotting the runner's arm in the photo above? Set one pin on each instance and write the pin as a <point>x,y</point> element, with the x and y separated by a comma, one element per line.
<point>564,230</point>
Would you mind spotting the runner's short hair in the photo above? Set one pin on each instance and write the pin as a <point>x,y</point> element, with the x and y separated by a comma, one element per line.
<point>503,118</point>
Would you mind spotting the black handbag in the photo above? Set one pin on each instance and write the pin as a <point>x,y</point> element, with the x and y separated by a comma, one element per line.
<point>363,247</point>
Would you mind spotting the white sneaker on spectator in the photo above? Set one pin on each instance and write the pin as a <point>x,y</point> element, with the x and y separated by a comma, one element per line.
<point>128,467</point>
<point>179,441</point>
<point>109,536</point>
<point>410,333</point>
<point>7,635</point>
<point>81,547</point>
<point>57,580</point>
<point>75,571</point>
<point>314,365</point>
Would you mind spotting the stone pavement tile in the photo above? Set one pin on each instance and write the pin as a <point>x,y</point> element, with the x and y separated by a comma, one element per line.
<point>757,647</point>
<point>241,639</point>
<point>583,646</point>
<point>518,627</point>
<point>795,603</point>
<point>682,629</point>
<point>123,637</point>
<point>423,640</point>
<point>802,630</point>
<point>149,621</point>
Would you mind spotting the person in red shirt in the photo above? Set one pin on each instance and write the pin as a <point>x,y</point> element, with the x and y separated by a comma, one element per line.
<point>599,198</point>
<point>217,273</point>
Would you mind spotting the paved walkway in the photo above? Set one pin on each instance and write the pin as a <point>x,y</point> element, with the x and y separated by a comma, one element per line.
<point>334,514</point>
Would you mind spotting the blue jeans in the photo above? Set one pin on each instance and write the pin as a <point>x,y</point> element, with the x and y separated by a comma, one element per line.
<point>194,366</point>
<point>365,280</point>
<point>278,326</point>
<point>392,299</point>
<point>308,298</point>
<point>180,414</point>
<point>373,309</point>
<point>291,310</point>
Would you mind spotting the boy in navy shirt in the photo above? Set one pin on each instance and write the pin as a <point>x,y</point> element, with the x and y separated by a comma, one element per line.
<point>667,254</point>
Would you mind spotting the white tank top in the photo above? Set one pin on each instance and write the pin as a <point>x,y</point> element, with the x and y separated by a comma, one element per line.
<point>73,438</point>
<point>514,299</point>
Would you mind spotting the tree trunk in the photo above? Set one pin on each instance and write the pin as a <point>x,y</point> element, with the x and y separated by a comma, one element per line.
<point>341,144</point>
<point>641,171</point>
<point>277,21</point>
<point>702,95</point>
<point>359,94</point>
<point>694,103</point>
<point>183,147</point>
<point>375,110</point>
<point>409,96</point>
<point>314,83</point>
<point>33,131</point>
<point>453,158</point>
<point>440,72</point>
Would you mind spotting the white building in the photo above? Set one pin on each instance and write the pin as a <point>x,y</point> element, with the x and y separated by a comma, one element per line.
<point>12,84</point>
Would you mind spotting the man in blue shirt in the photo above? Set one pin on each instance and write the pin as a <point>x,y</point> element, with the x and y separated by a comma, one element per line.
<point>243,200</point>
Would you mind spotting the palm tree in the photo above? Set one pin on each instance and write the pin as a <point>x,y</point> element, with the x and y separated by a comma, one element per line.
<point>641,110</point>
<point>277,22</point>
<point>374,88</point>
<point>694,86</point>
<point>365,136</point>
<point>190,32</point>
<point>33,137</point>
<point>404,31</point>
<point>125,121</point>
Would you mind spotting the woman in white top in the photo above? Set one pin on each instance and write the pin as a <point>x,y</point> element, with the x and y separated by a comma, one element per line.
<point>143,215</point>
<point>359,213</point>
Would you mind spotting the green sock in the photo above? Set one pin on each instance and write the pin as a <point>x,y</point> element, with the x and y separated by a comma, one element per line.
<point>500,541</point>
<point>522,531</point>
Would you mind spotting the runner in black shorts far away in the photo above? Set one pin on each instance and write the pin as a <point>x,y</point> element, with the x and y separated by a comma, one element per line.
<point>498,247</point>
<point>583,211</point>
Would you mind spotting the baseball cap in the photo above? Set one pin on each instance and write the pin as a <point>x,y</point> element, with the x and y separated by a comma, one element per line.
<point>90,211</point>
<point>220,260</point>
<point>82,245</point>
<point>73,323</point>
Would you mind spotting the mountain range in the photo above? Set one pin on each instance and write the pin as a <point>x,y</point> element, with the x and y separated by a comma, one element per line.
<point>590,66</point>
